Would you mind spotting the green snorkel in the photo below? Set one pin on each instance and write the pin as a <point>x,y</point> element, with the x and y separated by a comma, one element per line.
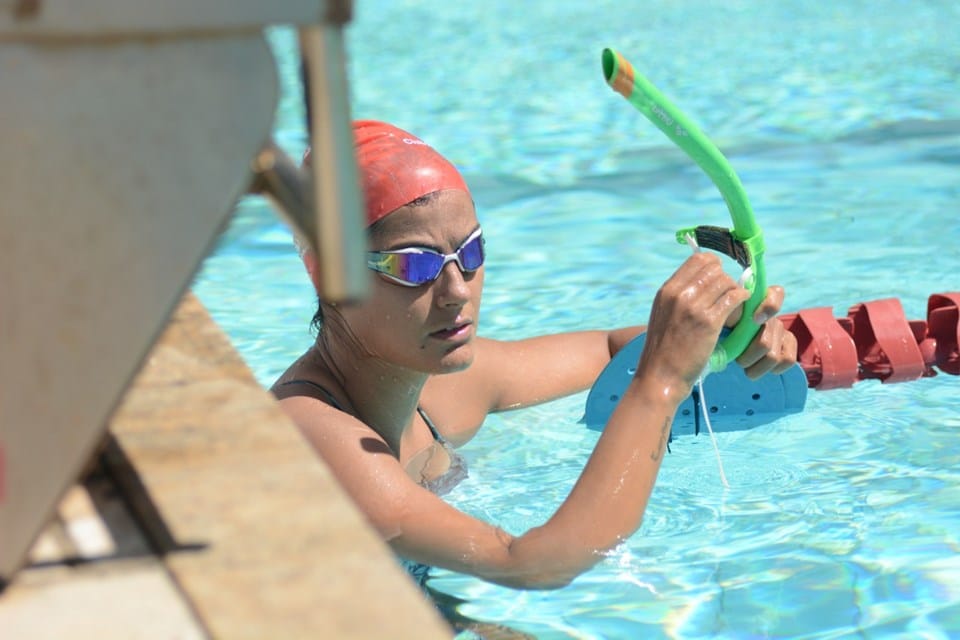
<point>744,243</point>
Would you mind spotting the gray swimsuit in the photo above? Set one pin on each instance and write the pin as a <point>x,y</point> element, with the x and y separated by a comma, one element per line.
<point>439,486</point>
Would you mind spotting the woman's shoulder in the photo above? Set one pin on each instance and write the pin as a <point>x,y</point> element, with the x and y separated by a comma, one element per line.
<point>459,402</point>
<point>335,434</point>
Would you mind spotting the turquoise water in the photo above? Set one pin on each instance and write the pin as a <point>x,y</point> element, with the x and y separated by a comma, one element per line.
<point>843,123</point>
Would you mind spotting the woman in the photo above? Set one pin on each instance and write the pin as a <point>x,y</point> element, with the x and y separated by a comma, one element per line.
<point>392,385</point>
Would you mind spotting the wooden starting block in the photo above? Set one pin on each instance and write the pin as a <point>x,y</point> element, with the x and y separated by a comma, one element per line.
<point>130,129</point>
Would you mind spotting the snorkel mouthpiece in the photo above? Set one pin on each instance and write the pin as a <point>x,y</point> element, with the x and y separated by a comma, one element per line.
<point>745,241</point>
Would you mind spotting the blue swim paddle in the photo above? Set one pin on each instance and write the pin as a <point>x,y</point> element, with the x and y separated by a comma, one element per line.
<point>732,400</point>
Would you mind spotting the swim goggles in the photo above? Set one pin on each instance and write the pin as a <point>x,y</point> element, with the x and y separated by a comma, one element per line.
<point>413,267</point>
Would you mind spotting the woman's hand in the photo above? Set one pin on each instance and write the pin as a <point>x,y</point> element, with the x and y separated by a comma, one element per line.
<point>773,349</point>
<point>691,308</point>
<point>688,313</point>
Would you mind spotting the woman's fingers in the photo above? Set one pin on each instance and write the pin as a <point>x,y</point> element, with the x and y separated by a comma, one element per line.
<point>692,306</point>
<point>770,306</point>
<point>687,316</point>
<point>773,350</point>
<point>702,285</point>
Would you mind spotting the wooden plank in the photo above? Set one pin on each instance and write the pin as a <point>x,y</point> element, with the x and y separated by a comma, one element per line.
<point>260,537</point>
<point>93,575</point>
<point>113,599</point>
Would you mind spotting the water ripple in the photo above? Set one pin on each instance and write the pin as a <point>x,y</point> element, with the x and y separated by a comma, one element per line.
<point>842,124</point>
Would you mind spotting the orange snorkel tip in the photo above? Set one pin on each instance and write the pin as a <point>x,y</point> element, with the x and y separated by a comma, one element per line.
<point>618,72</point>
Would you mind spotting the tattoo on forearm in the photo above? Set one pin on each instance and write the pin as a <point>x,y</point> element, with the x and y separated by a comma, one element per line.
<point>664,436</point>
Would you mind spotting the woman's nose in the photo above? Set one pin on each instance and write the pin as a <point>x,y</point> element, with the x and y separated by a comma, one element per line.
<point>453,288</point>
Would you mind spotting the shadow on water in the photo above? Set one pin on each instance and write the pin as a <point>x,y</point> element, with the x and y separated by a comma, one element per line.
<point>467,627</point>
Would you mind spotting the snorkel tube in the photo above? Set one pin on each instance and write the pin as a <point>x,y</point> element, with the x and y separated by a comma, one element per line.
<point>875,340</point>
<point>744,242</point>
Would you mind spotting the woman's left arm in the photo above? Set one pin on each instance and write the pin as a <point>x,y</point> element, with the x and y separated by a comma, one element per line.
<point>535,370</point>
<point>526,372</point>
<point>515,374</point>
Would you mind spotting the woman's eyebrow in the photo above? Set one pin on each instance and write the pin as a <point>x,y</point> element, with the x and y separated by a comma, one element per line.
<point>426,245</point>
<point>397,246</point>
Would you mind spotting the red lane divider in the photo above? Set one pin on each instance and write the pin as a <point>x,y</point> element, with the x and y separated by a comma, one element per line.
<point>825,348</point>
<point>886,344</point>
<point>876,341</point>
<point>943,327</point>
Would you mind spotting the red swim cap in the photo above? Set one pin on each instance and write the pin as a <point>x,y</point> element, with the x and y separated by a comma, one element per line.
<point>396,168</point>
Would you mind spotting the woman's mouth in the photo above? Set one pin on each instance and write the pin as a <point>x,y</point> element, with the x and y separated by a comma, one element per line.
<point>455,332</point>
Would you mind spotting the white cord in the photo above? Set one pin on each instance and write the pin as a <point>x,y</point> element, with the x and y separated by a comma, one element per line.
<point>692,242</point>
<point>713,438</point>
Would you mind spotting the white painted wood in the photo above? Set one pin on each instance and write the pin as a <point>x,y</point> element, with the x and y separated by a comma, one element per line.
<point>119,164</point>
<point>104,17</point>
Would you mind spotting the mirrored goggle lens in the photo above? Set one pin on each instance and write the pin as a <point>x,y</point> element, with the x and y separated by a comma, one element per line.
<point>471,255</point>
<point>415,268</point>
<point>422,266</point>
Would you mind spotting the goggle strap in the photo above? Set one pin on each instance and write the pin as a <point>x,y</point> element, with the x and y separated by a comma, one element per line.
<point>721,240</point>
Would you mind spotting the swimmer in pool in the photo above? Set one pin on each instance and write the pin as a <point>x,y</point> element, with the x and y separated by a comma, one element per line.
<point>394,385</point>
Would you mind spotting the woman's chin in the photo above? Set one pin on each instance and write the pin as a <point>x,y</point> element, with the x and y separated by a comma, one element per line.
<point>456,360</point>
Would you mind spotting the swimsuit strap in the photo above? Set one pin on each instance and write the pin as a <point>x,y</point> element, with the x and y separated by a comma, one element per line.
<point>439,486</point>
<point>433,429</point>
<point>329,396</point>
<point>336,405</point>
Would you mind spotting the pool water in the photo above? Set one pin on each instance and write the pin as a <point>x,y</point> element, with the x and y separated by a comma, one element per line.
<point>843,122</point>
